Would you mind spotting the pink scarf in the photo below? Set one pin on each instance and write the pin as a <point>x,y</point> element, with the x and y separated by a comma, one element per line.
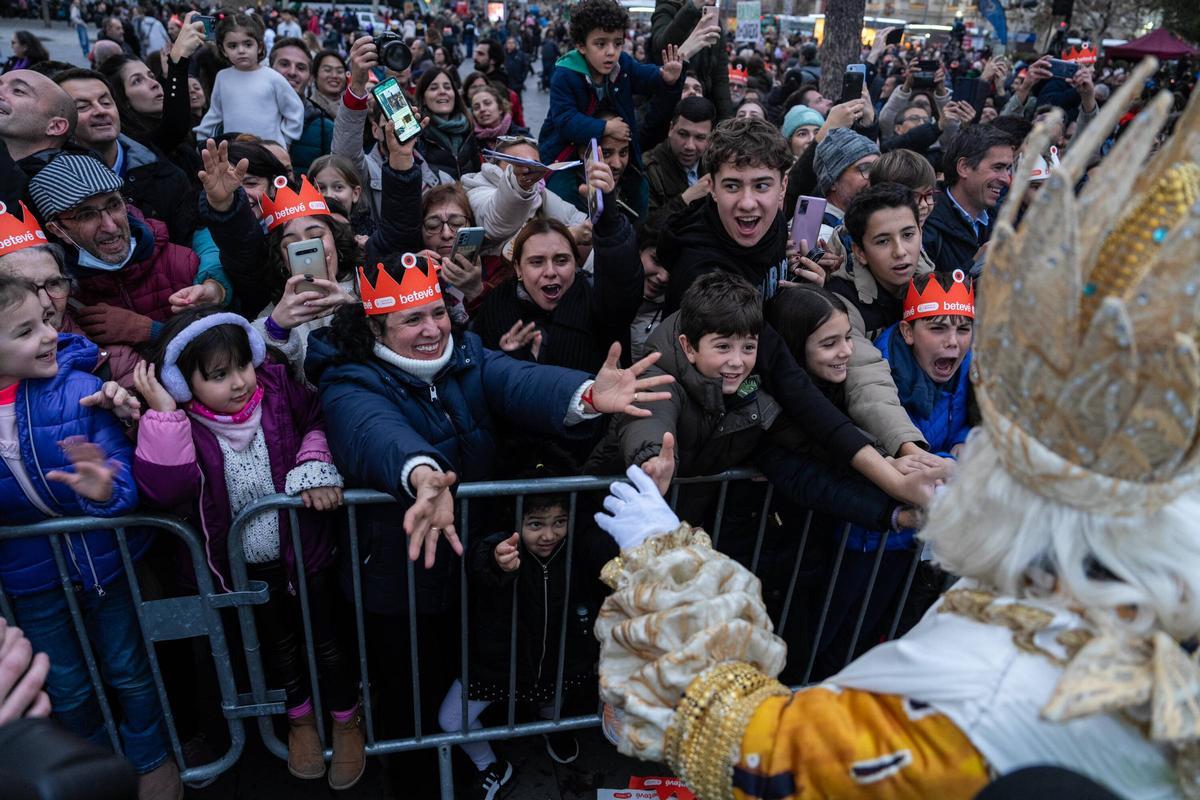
<point>499,129</point>
<point>237,429</point>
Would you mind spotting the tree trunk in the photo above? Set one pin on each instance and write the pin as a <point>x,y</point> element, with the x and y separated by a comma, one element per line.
<point>842,43</point>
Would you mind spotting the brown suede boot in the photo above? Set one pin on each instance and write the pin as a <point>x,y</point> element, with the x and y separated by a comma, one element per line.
<point>305,759</point>
<point>161,783</point>
<point>349,761</point>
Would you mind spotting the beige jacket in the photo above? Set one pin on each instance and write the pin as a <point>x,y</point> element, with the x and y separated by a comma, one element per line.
<point>872,401</point>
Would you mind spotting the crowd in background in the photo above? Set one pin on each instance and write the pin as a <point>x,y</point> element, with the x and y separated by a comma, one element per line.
<point>627,284</point>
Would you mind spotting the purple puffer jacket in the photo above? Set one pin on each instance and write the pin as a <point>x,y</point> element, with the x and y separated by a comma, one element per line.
<point>178,465</point>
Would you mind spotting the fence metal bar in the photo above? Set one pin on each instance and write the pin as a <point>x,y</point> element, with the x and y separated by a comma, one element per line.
<point>415,667</point>
<point>762,527</point>
<point>306,616</point>
<point>360,625</point>
<point>837,567</point>
<point>85,643</point>
<point>908,581</point>
<point>512,641</point>
<point>562,632</point>
<point>719,517</point>
<point>866,602</point>
<point>463,600</point>
<point>135,590</point>
<point>791,590</point>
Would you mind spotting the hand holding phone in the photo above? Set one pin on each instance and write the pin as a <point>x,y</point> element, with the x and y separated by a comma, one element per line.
<point>852,83</point>
<point>210,26</point>
<point>1063,69</point>
<point>390,96</point>
<point>467,243</point>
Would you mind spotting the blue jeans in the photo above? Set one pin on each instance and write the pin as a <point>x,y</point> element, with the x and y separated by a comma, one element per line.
<point>82,32</point>
<point>112,627</point>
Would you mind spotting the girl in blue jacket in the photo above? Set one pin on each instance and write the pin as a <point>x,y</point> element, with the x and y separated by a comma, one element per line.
<point>62,457</point>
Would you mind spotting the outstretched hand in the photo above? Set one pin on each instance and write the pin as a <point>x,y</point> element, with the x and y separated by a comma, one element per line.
<point>520,336</point>
<point>431,514</point>
<point>672,66</point>
<point>507,554</point>
<point>115,398</point>
<point>635,513</point>
<point>93,475</point>
<point>616,390</point>
<point>220,178</point>
<point>661,468</point>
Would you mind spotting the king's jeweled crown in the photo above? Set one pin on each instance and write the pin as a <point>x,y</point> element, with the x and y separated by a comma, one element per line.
<point>1086,362</point>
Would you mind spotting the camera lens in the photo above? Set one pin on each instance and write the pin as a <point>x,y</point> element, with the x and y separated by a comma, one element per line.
<point>393,52</point>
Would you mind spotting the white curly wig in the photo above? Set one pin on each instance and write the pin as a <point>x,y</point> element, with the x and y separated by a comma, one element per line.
<point>988,526</point>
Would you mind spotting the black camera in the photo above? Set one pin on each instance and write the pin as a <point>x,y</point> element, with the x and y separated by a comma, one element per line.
<point>393,52</point>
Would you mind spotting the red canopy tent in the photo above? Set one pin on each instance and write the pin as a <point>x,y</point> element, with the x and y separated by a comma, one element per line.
<point>1162,44</point>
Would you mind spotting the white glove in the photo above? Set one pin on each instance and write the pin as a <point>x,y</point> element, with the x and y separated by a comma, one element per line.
<point>638,511</point>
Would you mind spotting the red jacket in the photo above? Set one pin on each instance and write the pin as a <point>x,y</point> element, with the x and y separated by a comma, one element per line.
<point>157,270</point>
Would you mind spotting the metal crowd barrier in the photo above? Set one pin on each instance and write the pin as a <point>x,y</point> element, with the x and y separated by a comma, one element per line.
<point>197,615</point>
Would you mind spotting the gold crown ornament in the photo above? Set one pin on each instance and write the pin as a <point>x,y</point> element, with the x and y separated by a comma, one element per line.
<point>1086,364</point>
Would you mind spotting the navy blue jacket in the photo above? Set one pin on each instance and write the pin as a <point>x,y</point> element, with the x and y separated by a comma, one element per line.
<point>377,417</point>
<point>48,412</point>
<point>568,122</point>
<point>945,425</point>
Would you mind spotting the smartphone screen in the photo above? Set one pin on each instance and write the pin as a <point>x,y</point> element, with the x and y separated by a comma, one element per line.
<point>852,85</point>
<point>595,198</point>
<point>210,26</point>
<point>391,99</point>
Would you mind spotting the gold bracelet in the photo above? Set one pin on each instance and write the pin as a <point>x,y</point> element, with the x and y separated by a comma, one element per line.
<point>704,737</point>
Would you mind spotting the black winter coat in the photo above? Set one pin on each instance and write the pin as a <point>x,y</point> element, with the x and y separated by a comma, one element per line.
<point>541,586</point>
<point>949,239</point>
<point>590,316</point>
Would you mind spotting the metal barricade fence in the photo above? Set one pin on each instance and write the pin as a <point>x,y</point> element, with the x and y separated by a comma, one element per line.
<point>160,620</point>
<point>172,618</point>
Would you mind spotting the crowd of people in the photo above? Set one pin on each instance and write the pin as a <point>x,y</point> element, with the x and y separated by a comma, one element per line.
<point>225,274</point>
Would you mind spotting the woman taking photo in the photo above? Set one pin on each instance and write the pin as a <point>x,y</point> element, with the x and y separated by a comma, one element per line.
<point>448,141</point>
<point>493,117</point>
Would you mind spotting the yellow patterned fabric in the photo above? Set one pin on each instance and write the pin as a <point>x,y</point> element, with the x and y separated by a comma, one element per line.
<point>826,742</point>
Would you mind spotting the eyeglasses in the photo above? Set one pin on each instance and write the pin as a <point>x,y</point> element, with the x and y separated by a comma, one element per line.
<point>435,224</point>
<point>925,197</point>
<point>90,216</point>
<point>55,288</point>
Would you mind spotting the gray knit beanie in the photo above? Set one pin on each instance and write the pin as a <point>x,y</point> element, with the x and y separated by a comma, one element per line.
<point>840,148</point>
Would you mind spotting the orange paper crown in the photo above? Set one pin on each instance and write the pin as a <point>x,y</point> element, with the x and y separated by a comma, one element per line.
<point>418,286</point>
<point>287,205</point>
<point>738,74</point>
<point>17,234</point>
<point>957,301</point>
<point>1082,55</point>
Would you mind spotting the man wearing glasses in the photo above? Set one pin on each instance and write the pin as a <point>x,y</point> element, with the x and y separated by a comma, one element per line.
<point>130,276</point>
<point>843,165</point>
<point>41,263</point>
